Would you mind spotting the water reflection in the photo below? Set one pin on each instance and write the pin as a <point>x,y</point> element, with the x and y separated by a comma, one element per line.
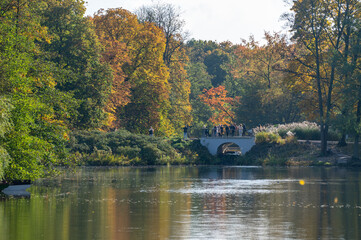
<point>188,203</point>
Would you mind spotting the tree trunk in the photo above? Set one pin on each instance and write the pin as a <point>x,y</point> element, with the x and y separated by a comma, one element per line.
<point>356,154</point>
<point>355,147</point>
<point>342,142</point>
<point>323,124</point>
<point>324,133</point>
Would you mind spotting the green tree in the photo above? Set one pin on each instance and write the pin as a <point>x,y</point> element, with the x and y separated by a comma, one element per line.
<point>200,80</point>
<point>36,139</point>
<point>5,126</point>
<point>76,53</point>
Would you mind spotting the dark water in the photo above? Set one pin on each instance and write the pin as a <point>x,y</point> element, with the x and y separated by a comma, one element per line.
<point>188,203</point>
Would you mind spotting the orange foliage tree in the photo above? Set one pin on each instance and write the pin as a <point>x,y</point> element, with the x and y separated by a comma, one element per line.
<point>140,96</point>
<point>221,105</point>
<point>115,53</point>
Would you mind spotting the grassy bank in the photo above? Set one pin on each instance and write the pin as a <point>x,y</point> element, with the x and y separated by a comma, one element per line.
<point>287,154</point>
<point>122,148</point>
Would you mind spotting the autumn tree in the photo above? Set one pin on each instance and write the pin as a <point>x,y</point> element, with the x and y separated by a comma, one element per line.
<point>203,71</point>
<point>346,17</point>
<point>319,29</point>
<point>221,105</point>
<point>115,53</point>
<point>168,18</point>
<point>139,60</point>
<point>255,74</point>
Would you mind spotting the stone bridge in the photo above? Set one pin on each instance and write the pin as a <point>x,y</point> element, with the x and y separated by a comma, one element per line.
<point>219,145</point>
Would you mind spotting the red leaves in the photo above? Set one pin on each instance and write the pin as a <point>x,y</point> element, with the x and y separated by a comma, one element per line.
<point>222,105</point>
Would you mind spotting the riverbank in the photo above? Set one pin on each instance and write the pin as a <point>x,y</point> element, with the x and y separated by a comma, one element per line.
<point>122,148</point>
<point>299,153</point>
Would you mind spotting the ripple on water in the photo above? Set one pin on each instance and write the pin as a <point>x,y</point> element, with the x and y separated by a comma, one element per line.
<point>230,186</point>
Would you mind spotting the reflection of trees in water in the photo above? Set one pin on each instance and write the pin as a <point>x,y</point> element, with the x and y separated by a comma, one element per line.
<point>133,203</point>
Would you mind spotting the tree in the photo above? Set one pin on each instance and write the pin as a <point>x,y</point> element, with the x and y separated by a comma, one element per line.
<point>5,127</point>
<point>345,15</point>
<point>116,54</point>
<point>180,89</point>
<point>309,26</point>
<point>168,18</point>
<point>215,62</point>
<point>75,51</point>
<point>143,68</point>
<point>221,105</point>
<point>200,80</point>
<point>33,139</point>
<point>255,74</point>
<point>321,30</point>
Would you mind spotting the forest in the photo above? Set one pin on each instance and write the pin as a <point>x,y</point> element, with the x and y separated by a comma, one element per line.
<point>63,72</point>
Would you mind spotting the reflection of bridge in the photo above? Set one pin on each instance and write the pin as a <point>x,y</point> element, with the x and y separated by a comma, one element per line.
<point>218,145</point>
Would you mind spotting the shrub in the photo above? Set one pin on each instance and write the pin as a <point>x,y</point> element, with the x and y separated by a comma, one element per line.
<point>128,151</point>
<point>122,147</point>
<point>304,130</point>
<point>268,137</point>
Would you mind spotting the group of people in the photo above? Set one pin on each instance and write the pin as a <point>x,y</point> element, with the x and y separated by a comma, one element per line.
<point>225,130</point>
<point>217,131</point>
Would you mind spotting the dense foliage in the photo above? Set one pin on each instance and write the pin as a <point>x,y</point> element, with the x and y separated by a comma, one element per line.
<point>122,148</point>
<point>61,71</point>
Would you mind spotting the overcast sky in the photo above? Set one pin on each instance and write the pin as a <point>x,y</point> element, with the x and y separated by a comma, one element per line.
<point>217,20</point>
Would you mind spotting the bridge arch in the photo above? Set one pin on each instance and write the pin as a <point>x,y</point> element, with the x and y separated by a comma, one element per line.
<point>213,143</point>
<point>229,148</point>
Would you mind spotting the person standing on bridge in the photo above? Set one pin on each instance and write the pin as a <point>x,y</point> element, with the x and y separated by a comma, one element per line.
<point>215,131</point>
<point>227,130</point>
<point>233,128</point>
<point>185,132</point>
<point>151,131</point>
<point>206,131</point>
<point>240,129</point>
<point>244,130</point>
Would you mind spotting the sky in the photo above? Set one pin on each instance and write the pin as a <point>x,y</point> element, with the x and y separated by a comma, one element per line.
<point>216,20</point>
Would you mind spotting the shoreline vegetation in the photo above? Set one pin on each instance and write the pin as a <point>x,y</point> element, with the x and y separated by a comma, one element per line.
<point>294,144</point>
<point>284,145</point>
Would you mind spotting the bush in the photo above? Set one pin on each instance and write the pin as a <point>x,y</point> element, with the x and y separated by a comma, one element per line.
<point>304,131</point>
<point>268,137</point>
<point>122,147</point>
<point>128,151</point>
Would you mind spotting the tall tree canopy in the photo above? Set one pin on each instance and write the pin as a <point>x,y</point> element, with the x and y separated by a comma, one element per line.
<point>321,30</point>
<point>75,51</point>
<point>142,46</point>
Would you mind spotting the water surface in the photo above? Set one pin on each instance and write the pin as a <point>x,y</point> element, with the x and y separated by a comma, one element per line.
<point>188,203</point>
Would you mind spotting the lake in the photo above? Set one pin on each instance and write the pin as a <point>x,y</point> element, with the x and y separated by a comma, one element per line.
<point>188,203</point>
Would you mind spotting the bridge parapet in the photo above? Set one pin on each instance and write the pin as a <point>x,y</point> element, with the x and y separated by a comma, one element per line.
<point>212,143</point>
